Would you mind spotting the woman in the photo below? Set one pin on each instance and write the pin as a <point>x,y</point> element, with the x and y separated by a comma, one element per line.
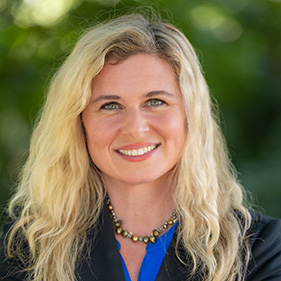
<point>128,177</point>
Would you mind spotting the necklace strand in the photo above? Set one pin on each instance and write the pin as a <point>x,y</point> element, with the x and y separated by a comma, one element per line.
<point>135,238</point>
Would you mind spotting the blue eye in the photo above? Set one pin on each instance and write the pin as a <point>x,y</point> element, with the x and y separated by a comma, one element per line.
<point>155,102</point>
<point>110,106</point>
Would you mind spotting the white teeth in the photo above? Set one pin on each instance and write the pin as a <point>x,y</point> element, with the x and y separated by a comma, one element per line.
<point>136,152</point>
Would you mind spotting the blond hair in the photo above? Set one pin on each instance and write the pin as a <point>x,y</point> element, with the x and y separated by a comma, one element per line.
<point>61,193</point>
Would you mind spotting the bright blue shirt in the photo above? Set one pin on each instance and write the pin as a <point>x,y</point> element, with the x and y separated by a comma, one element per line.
<point>153,258</point>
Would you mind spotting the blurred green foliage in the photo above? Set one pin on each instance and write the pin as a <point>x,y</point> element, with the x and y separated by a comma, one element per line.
<point>239,46</point>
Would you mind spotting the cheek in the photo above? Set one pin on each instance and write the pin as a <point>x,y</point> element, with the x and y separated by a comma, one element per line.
<point>100,134</point>
<point>174,125</point>
<point>97,142</point>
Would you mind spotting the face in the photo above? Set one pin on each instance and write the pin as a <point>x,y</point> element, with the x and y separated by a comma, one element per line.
<point>135,122</point>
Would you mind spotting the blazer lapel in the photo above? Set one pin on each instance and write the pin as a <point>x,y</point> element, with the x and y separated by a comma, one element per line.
<point>172,269</point>
<point>104,263</point>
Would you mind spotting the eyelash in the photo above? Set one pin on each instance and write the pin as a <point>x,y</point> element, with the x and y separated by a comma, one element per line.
<point>107,106</point>
<point>159,102</point>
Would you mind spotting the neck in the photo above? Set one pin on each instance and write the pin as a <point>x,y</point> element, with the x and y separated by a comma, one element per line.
<point>141,207</point>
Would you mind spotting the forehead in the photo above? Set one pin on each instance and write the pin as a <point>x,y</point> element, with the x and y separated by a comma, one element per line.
<point>142,72</point>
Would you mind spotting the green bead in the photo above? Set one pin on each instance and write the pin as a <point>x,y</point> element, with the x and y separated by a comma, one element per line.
<point>118,223</point>
<point>135,238</point>
<point>146,239</point>
<point>119,230</point>
<point>152,239</point>
<point>155,233</point>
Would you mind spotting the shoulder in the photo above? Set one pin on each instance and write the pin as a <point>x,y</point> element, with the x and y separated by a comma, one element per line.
<point>11,269</point>
<point>265,245</point>
<point>265,231</point>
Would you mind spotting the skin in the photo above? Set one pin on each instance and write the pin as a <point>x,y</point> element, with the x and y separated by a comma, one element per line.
<point>136,104</point>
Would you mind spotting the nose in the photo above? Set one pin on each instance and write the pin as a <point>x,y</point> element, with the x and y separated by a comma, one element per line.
<point>134,124</point>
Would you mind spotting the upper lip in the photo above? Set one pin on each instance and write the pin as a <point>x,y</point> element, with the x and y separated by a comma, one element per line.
<point>137,145</point>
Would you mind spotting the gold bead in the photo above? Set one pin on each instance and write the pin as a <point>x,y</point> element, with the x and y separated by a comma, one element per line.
<point>118,223</point>
<point>170,222</point>
<point>119,230</point>
<point>125,233</point>
<point>135,238</point>
<point>152,239</point>
<point>156,233</point>
<point>146,239</point>
<point>110,207</point>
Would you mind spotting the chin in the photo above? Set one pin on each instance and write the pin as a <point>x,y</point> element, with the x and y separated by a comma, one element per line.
<point>135,179</point>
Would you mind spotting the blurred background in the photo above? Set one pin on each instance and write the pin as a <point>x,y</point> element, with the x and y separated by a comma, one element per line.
<point>238,43</point>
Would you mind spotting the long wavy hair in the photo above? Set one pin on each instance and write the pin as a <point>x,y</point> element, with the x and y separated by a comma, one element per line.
<point>61,192</point>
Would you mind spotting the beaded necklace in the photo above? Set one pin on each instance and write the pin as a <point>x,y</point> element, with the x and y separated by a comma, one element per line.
<point>135,238</point>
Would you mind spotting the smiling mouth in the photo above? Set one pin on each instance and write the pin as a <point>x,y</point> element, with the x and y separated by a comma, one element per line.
<point>137,152</point>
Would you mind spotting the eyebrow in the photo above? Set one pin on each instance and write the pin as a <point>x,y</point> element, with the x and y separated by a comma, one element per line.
<point>148,95</point>
<point>106,97</point>
<point>157,93</point>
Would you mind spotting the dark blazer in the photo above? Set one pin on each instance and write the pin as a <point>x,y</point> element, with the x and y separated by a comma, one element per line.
<point>104,261</point>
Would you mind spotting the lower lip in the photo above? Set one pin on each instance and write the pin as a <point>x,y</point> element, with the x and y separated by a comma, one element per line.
<point>138,158</point>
